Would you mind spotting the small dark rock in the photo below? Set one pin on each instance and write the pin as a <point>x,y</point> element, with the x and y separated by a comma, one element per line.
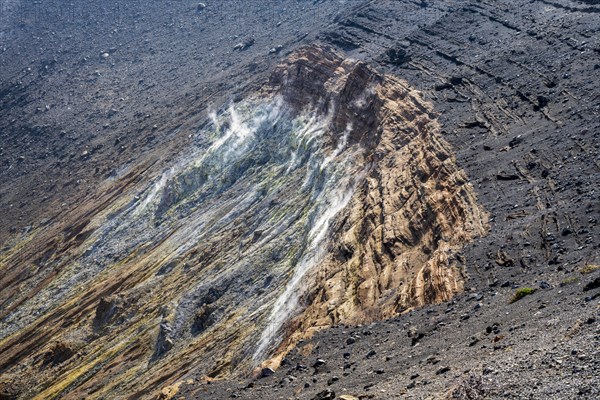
<point>325,395</point>
<point>397,56</point>
<point>515,141</point>
<point>301,367</point>
<point>544,285</point>
<point>415,336</point>
<point>542,102</point>
<point>245,44</point>
<point>487,371</point>
<point>492,329</point>
<point>595,284</point>
<point>265,372</point>
<point>505,176</point>
<point>442,86</point>
<point>432,360</point>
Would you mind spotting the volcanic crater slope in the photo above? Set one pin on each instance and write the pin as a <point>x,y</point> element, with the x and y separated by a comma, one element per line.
<point>326,197</point>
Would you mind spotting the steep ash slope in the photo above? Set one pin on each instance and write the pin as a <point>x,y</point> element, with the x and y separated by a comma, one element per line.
<point>327,197</point>
<point>514,91</point>
<point>89,86</point>
<point>517,95</point>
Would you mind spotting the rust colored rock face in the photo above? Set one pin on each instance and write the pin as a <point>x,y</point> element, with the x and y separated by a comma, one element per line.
<point>328,197</point>
<point>394,246</point>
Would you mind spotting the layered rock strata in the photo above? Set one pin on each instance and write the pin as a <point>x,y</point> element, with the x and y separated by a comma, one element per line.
<point>328,197</point>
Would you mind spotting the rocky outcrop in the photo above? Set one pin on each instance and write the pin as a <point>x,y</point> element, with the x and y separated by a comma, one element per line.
<point>329,196</point>
<point>396,245</point>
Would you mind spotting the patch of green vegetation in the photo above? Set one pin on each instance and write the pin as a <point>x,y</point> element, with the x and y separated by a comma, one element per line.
<point>588,269</point>
<point>522,292</point>
<point>569,280</point>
